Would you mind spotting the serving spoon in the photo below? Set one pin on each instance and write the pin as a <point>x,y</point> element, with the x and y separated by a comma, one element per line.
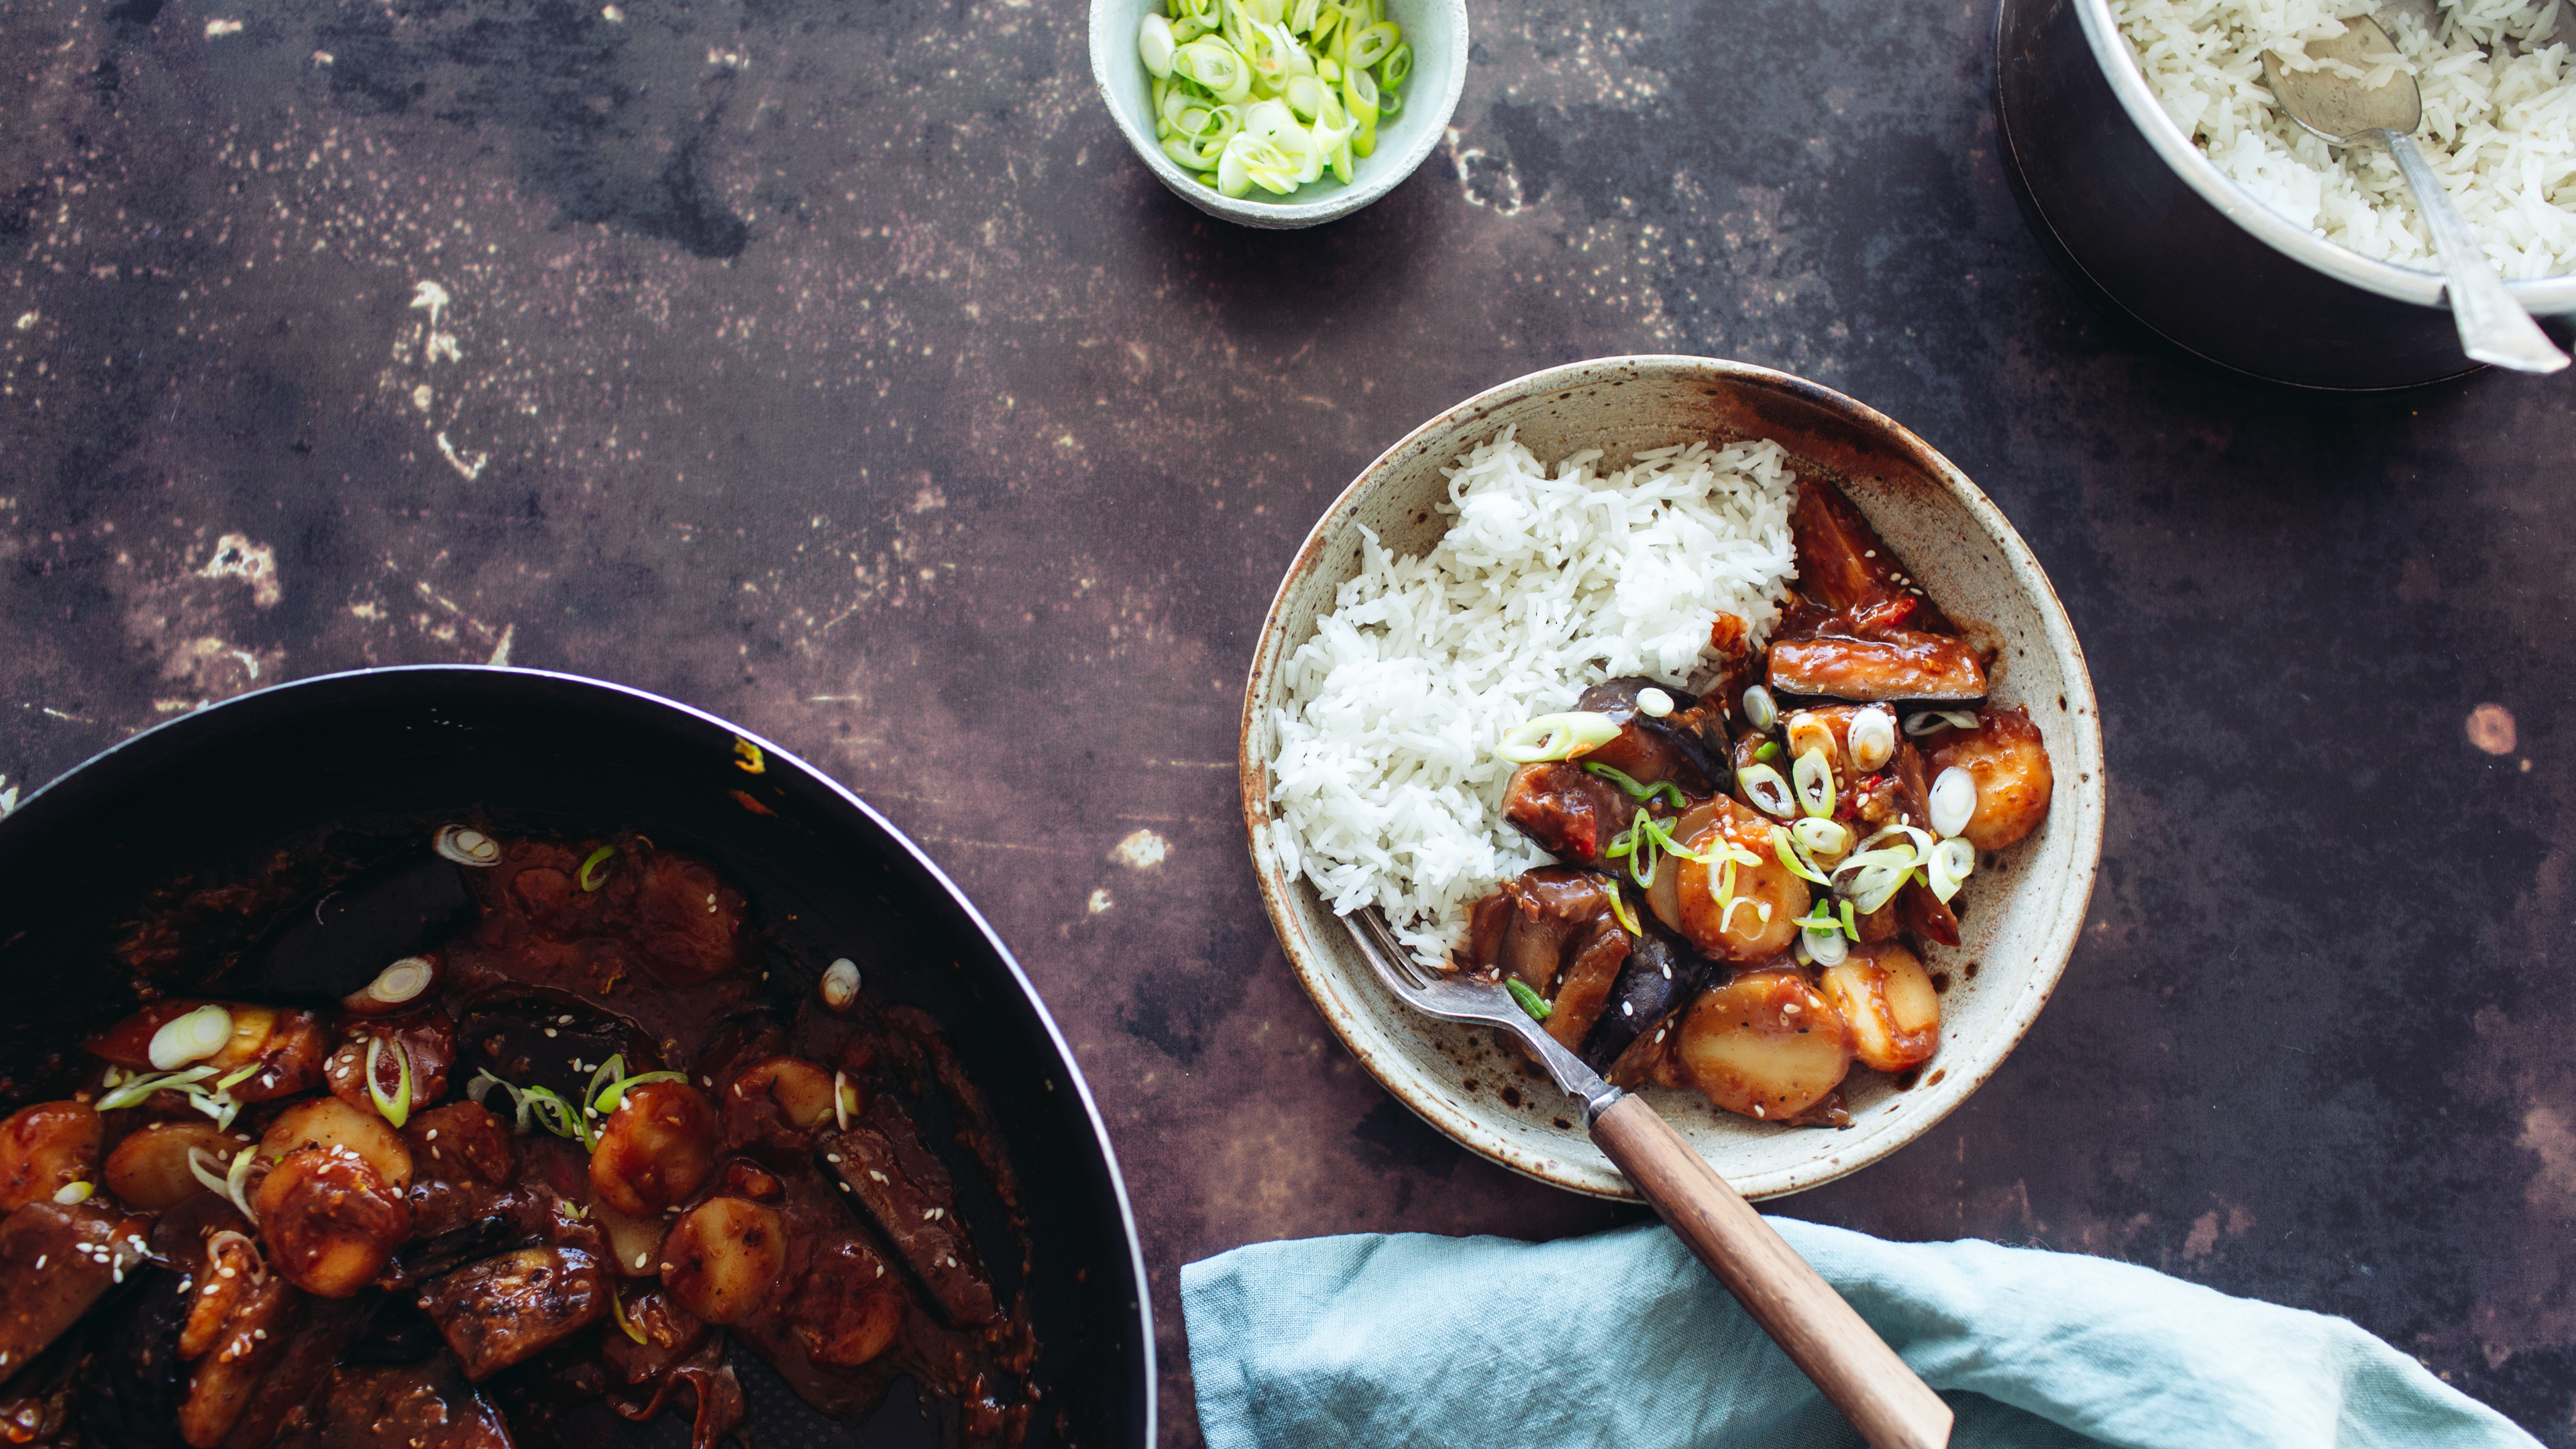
<point>2344,112</point>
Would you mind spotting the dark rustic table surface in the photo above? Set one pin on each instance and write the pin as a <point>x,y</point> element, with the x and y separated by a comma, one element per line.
<point>836,367</point>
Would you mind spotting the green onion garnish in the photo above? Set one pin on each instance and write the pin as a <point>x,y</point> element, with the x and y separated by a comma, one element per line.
<point>1786,847</point>
<point>138,1088</point>
<point>1642,794</point>
<point>609,1100</point>
<point>1619,908</point>
<point>1530,1001</point>
<point>596,857</point>
<point>397,1107</point>
<point>1769,751</point>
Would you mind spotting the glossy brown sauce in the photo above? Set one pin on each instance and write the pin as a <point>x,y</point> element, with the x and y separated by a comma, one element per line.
<point>517,1304</point>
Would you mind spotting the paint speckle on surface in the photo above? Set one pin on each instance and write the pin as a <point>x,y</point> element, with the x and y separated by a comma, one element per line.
<point>1100,901</point>
<point>1141,850</point>
<point>2490,728</point>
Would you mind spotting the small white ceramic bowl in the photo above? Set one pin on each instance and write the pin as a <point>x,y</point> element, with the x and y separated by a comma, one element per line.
<point>2023,914</point>
<point>1437,31</point>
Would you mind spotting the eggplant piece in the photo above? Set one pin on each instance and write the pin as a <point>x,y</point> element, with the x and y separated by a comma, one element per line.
<point>1844,564</point>
<point>134,1387</point>
<point>511,1308</point>
<point>1686,746</point>
<point>419,1406</point>
<point>907,1191</point>
<point>56,1260</point>
<point>1661,976</point>
<point>314,1342</point>
<point>1554,929</point>
<point>1900,664</point>
<point>339,943</point>
<point>1572,813</point>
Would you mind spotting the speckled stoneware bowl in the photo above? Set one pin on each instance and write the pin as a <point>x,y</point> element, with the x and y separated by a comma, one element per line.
<point>2023,915</point>
<point>1437,31</point>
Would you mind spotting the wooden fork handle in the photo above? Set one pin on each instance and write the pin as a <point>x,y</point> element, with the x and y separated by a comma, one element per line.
<point>1801,1311</point>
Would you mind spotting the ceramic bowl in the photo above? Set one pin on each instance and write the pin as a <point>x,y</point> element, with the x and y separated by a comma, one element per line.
<point>1437,31</point>
<point>2024,914</point>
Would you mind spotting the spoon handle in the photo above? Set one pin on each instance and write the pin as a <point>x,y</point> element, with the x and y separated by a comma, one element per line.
<point>2493,326</point>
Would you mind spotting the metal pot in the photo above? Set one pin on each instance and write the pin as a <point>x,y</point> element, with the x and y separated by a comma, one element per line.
<point>397,751</point>
<point>2142,220</point>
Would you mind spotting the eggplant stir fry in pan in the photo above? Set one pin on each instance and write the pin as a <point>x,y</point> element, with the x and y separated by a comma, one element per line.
<point>1748,875</point>
<point>486,1146</point>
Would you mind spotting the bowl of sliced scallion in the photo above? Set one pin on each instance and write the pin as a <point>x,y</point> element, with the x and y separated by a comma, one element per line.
<point>1280,113</point>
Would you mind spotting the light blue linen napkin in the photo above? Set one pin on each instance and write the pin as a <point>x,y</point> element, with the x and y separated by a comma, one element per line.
<point>1624,1339</point>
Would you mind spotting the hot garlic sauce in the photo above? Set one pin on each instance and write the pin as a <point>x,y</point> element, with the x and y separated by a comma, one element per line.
<point>1748,876</point>
<point>558,1149</point>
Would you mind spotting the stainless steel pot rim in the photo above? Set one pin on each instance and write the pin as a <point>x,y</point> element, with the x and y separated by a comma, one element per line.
<point>2546,296</point>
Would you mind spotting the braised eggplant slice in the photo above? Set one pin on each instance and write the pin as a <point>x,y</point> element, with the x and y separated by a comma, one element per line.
<point>1555,931</point>
<point>1900,664</point>
<point>56,1260</point>
<point>337,945</point>
<point>1572,813</point>
<point>507,1309</point>
<point>1660,976</point>
<point>1686,745</point>
<point>132,1393</point>
<point>1844,565</point>
<point>907,1191</point>
<point>413,1406</point>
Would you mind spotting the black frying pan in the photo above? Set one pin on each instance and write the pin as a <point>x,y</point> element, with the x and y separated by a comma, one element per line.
<point>385,755</point>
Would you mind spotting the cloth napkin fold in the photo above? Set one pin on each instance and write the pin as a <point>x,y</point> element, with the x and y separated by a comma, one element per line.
<point>1624,1339</point>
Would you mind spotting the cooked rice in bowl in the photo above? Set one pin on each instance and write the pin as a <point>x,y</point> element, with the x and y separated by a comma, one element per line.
<point>2499,120</point>
<point>1386,787</point>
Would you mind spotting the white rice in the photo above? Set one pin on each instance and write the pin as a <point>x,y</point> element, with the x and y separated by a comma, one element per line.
<point>1385,783</point>
<point>2499,121</point>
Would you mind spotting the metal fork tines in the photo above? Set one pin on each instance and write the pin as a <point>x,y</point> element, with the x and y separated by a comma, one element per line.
<point>1476,1003</point>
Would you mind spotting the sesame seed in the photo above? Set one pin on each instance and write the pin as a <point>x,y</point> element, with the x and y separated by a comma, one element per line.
<point>845,1187</point>
<point>831,1157</point>
<point>259,1333</point>
<point>1626,1009</point>
<point>666,1267</point>
<point>563,1021</point>
<point>432,1137</point>
<point>879,1176</point>
<point>40,1260</point>
<point>639,1259</point>
<point>1668,973</point>
<point>550,1031</point>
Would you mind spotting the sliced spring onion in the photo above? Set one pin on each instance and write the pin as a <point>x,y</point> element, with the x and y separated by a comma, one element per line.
<point>1826,947</point>
<point>201,1166</point>
<point>1643,794</point>
<point>74,1192</point>
<point>1626,914</point>
<point>1851,922</point>
<point>1786,847</point>
<point>841,984</point>
<point>1529,1000</point>
<point>482,1086</point>
<point>1154,43</point>
<point>397,1107</point>
<point>610,1100</point>
<point>845,1099</point>
<point>467,846</point>
<point>617,1294</point>
<point>232,1079</point>
<point>1874,886</point>
<point>1397,65</point>
<point>1953,861</point>
<point>1809,735</point>
<point>218,1105</point>
<point>597,858</point>
<point>1814,774</point>
<point>237,1183</point>
<point>1953,802</point>
<point>1555,737</point>
<point>1215,66</point>
<point>1871,740</point>
<point>1375,44</point>
<point>403,981</point>
<point>1767,751</point>
<point>1824,841</point>
<point>191,1037</point>
<point>1929,720</point>
<point>1654,703</point>
<point>1768,792</point>
<point>1759,709</point>
<point>136,1089</point>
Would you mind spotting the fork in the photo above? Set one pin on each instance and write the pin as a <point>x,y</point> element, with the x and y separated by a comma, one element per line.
<point>1828,1341</point>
